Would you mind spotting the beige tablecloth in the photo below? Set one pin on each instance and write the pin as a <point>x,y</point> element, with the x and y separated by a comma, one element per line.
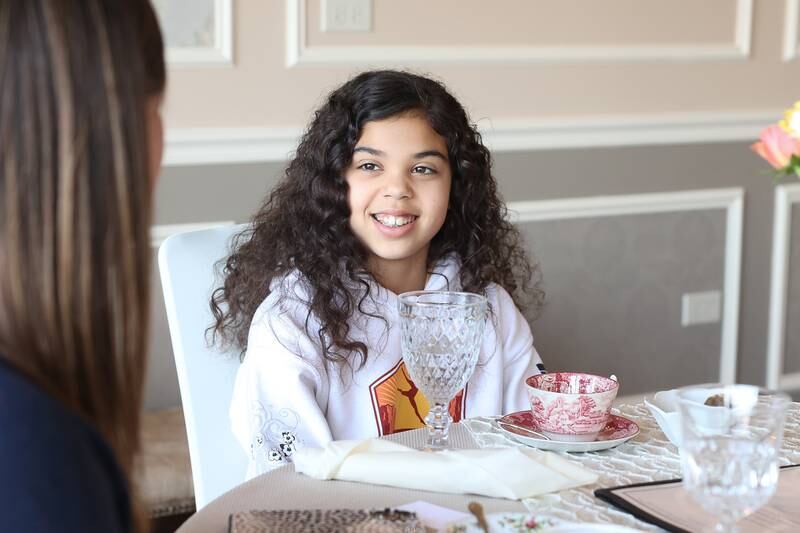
<point>647,457</point>
<point>284,489</point>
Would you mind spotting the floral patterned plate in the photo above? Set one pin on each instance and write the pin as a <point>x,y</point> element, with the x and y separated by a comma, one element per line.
<point>526,523</point>
<point>618,429</point>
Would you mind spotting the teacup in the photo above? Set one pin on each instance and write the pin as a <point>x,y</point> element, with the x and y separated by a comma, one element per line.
<point>571,406</point>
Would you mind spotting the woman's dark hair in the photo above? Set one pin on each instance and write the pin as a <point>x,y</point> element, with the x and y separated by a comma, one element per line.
<point>304,222</point>
<point>76,78</point>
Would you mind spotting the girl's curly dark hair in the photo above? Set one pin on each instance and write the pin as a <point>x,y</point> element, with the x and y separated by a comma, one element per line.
<point>304,222</point>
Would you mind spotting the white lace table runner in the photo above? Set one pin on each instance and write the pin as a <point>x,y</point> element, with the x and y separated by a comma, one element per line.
<point>647,457</point>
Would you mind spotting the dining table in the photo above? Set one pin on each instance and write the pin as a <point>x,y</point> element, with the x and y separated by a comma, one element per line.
<point>647,457</point>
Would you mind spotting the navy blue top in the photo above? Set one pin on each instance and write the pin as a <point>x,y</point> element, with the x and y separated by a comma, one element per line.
<point>57,473</point>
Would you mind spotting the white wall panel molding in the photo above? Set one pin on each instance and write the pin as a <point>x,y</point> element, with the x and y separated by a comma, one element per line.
<point>785,197</point>
<point>298,53</point>
<point>791,20</point>
<point>160,232</point>
<point>625,130</point>
<point>220,55</point>
<point>731,200</point>
<point>202,146</point>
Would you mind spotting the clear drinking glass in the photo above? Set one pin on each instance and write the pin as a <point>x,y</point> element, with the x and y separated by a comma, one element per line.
<point>732,436</point>
<point>442,334</point>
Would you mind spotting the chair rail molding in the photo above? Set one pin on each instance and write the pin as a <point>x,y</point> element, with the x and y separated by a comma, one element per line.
<point>160,232</point>
<point>785,197</point>
<point>731,200</point>
<point>200,146</point>
<point>298,53</point>
<point>213,146</point>
<point>220,55</point>
<point>791,20</point>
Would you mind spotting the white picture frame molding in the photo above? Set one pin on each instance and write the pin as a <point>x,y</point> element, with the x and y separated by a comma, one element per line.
<point>791,21</point>
<point>730,199</point>
<point>299,53</point>
<point>785,197</point>
<point>220,55</point>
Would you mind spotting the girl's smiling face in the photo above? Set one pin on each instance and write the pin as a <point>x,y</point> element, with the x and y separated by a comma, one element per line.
<point>399,185</point>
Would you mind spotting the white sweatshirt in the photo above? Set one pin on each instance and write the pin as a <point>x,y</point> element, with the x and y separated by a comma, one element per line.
<point>287,395</point>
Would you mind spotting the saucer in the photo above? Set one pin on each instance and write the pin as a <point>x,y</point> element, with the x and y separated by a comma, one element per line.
<point>618,429</point>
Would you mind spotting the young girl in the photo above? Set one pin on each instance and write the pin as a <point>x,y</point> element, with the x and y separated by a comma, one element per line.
<point>390,191</point>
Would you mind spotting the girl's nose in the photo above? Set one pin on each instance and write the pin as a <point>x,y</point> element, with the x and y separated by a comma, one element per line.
<point>397,186</point>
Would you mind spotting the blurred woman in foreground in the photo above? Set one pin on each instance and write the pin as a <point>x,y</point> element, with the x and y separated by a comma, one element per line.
<point>80,146</point>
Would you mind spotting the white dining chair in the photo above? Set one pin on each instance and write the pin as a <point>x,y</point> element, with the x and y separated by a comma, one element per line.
<point>205,374</point>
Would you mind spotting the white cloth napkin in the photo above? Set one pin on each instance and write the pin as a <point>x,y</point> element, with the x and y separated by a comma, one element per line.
<point>512,473</point>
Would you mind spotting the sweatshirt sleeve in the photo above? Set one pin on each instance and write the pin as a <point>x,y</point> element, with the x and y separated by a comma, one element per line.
<point>280,395</point>
<point>520,355</point>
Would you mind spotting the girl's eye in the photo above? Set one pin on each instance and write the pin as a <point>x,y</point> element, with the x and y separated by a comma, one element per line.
<point>369,167</point>
<point>421,169</point>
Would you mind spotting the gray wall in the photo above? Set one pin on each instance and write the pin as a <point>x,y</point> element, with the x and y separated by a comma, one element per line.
<point>614,283</point>
<point>614,288</point>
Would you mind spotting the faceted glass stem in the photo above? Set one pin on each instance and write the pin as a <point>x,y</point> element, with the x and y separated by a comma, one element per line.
<point>726,525</point>
<point>438,422</point>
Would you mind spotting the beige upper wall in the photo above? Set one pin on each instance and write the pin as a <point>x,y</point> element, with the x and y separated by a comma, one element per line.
<point>535,22</point>
<point>676,56</point>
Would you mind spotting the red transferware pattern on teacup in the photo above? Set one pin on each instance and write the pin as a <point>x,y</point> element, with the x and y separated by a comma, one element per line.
<point>562,416</point>
<point>617,427</point>
<point>571,405</point>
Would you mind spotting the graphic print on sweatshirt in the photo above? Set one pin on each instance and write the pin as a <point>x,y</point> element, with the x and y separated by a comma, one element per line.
<point>398,405</point>
<point>274,439</point>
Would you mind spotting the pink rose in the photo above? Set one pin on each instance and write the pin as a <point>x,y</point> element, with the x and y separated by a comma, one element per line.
<point>776,146</point>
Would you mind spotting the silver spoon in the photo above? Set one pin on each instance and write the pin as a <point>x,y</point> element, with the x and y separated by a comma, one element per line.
<point>526,430</point>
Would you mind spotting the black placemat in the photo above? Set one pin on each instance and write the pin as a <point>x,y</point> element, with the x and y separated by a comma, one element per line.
<point>610,495</point>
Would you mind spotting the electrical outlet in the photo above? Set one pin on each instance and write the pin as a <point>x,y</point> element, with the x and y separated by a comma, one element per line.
<point>346,15</point>
<point>701,308</point>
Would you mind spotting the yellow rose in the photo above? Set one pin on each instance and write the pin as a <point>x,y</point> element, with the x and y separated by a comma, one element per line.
<point>791,121</point>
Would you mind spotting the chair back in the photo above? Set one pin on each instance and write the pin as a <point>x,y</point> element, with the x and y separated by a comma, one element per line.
<point>205,374</point>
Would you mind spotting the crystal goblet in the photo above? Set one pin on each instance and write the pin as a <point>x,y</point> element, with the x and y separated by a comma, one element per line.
<point>442,334</point>
<point>732,436</point>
